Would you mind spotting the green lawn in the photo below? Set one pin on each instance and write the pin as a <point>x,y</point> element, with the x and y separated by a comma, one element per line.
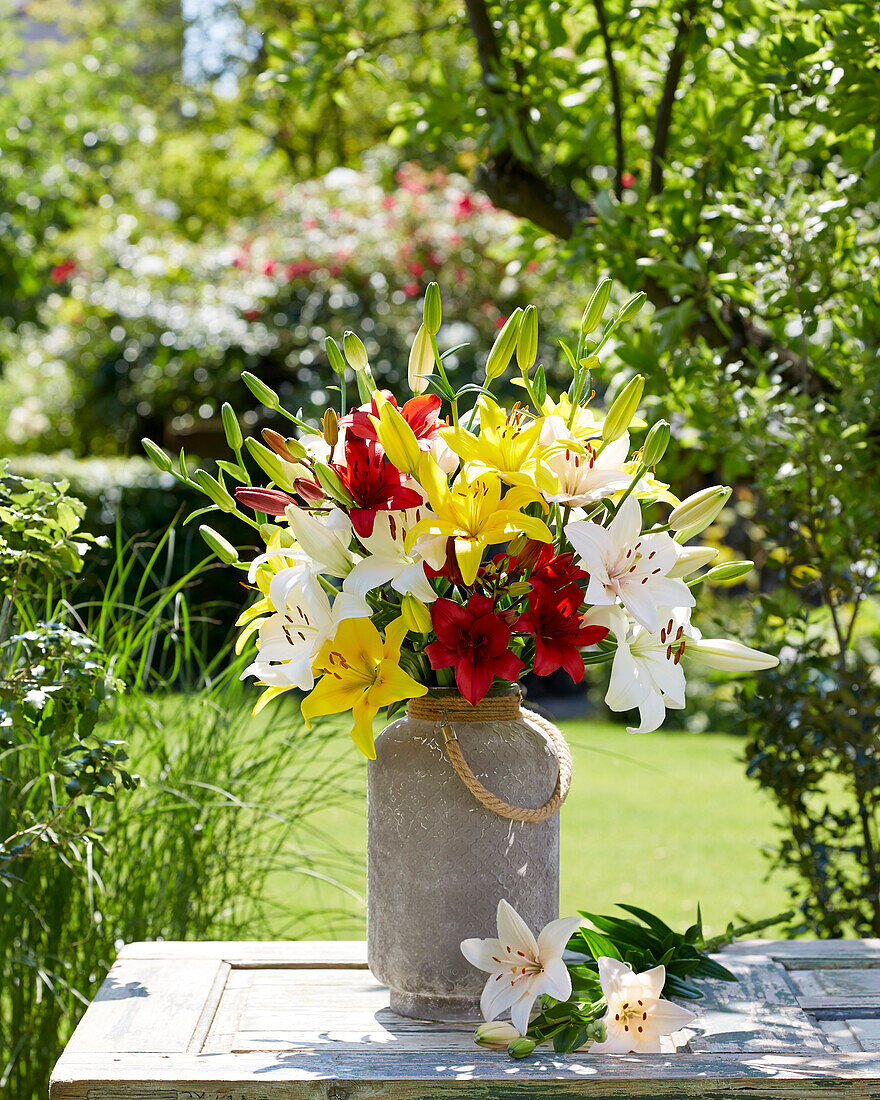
<point>662,820</point>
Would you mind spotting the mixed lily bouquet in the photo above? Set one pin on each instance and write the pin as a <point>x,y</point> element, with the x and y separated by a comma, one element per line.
<point>451,540</point>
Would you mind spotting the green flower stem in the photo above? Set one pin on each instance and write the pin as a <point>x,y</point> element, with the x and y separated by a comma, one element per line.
<point>639,474</point>
<point>442,371</point>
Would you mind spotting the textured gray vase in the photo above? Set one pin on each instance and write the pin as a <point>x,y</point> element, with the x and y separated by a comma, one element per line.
<point>438,862</point>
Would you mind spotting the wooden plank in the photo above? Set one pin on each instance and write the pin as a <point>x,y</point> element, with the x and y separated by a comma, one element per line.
<point>760,1012</point>
<point>855,983</point>
<point>221,1036</point>
<point>148,1005</point>
<point>297,954</point>
<point>480,1076</point>
<point>866,1033</point>
<point>840,1035</point>
<point>811,954</point>
<point>840,1007</point>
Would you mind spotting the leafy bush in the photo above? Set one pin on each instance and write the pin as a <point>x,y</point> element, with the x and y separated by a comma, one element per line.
<point>153,332</point>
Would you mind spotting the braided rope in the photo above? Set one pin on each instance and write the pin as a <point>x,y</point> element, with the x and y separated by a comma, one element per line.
<point>488,710</point>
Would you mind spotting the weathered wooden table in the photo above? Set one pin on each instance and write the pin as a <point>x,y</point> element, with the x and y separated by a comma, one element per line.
<point>266,1021</point>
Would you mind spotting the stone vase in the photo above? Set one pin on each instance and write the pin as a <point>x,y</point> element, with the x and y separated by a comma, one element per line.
<point>438,862</point>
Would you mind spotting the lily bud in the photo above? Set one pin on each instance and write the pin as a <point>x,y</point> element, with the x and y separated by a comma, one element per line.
<point>519,588</point>
<point>273,502</point>
<point>596,307</point>
<point>421,361</point>
<point>729,571</point>
<point>527,341</point>
<point>728,656</point>
<point>355,352</point>
<point>308,489</point>
<point>217,493</point>
<point>231,427</point>
<point>331,427</point>
<point>329,481</point>
<point>397,438</point>
<point>521,1048</point>
<point>415,615</point>
<point>224,550</point>
<point>699,510</point>
<point>495,1036</point>
<point>502,349</point>
<point>269,463</point>
<point>288,449</point>
<point>334,356</point>
<point>692,558</point>
<point>623,409</point>
<point>596,1033</point>
<point>656,442</point>
<point>263,393</point>
<point>631,308</point>
<point>157,456</point>
<point>366,384</point>
<point>432,311</point>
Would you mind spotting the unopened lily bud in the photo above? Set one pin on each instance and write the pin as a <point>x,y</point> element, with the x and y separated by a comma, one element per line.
<point>496,1036</point>
<point>692,558</point>
<point>519,588</point>
<point>366,384</point>
<point>432,312</point>
<point>334,356</point>
<point>596,1033</point>
<point>527,341</point>
<point>521,1047</point>
<point>330,482</point>
<point>623,409</point>
<point>331,427</point>
<point>231,427</point>
<point>263,393</point>
<point>415,615</point>
<point>309,490</point>
<point>699,510</point>
<point>727,655</point>
<point>529,554</point>
<point>656,442</point>
<point>273,502</point>
<point>157,456</point>
<point>269,463</point>
<point>502,349</point>
<point>288,449</point>
<point>421,361</point>
<point>217,493</point>
<point>631,308</point>
<point>729,571</point>
<point>397,438</point>
<point>224,550</point>
<point>355,352</point>
<point>592,315</point>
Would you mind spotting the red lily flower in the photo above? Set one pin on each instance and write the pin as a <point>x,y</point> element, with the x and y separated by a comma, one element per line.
<point>558,572</point>
<point>374,484</point>
<point>553,619</point>
<point>273,502</point>
<point>473,640</point>
<point>421,413</point>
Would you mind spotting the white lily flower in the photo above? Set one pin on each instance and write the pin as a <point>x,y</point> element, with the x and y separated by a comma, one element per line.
<point>303,620</point>
<point>386,561</point>
<point>326,541</point>
<point>637,1016</point>
<point>584,476</point>
<point>520,967</point>
<point>628,566</point>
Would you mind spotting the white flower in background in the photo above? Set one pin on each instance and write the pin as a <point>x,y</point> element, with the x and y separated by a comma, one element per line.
<point>628,566</point>
<point>584,476</point>
<point>325,540</point>
<point>521,968</point>
<point>646,671</point>
<point>387,562</point>
<point>637,1016</point>
<point>303,620</point>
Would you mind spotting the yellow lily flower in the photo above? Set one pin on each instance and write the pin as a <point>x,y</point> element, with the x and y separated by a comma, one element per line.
<point>586,424</point>
<point>473,514</point>
<point>361,673</point>
<point>648,488</point>
<point>508,443</point>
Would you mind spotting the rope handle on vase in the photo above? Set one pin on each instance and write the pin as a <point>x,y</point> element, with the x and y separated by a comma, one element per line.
<point>498,805</point>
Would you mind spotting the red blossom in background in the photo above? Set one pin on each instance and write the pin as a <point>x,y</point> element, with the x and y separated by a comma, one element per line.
<point>421,413</point>
<point>474,641</point>
<point>374,484</point>
<point>61,271</point>
<point>555,623</point>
